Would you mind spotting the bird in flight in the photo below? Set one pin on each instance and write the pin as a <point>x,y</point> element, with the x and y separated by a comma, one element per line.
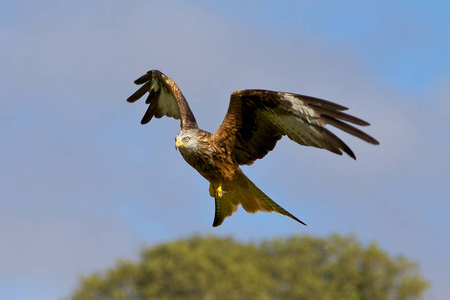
<point>255,121</point>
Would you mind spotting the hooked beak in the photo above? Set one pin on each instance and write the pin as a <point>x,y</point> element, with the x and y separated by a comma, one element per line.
<point>178,144</point>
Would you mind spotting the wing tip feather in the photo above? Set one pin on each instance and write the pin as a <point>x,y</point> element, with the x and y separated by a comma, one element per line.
<point>144,78</point>
<point>349,151</point>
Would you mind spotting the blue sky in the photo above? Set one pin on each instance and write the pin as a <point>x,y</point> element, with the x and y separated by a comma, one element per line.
<point>83,183</point>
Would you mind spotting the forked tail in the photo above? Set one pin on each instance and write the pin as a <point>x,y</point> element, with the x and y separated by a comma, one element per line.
<point>246,193</point>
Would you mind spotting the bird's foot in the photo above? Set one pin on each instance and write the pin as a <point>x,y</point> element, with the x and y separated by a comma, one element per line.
<point>219,192</point>
<point>216,192</point>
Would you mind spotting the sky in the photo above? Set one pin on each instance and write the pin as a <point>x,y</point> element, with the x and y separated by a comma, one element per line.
<point>84,184</point>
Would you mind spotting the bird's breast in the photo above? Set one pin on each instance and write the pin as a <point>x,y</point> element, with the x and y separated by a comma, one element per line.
<point>212,165</point>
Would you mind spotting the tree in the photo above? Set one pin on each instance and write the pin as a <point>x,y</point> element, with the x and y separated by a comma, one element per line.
<point>300,267</point>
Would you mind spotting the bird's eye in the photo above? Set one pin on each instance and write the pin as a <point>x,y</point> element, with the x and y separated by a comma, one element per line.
<point>186,139</point>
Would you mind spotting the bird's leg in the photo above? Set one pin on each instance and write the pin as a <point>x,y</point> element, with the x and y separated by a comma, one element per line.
<point>219,191</point>
<point>215,192</point>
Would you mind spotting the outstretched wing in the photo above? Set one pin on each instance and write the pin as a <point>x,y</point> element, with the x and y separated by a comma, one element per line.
<point>257,119</point>
<point>165,99</point>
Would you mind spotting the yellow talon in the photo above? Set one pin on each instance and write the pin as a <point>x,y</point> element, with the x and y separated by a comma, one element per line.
<point>219,191</point>
<point>216,192</point>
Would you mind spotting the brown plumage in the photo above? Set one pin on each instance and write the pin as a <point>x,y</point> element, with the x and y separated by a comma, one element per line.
<point>255,121</point>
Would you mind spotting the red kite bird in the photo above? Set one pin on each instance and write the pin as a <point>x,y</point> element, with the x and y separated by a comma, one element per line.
<point>255,121</point>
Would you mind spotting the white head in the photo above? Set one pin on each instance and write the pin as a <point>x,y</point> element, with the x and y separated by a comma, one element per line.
<point>187,140</point>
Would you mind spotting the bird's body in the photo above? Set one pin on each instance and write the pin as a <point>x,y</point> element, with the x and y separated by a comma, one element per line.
<point>255,121</point>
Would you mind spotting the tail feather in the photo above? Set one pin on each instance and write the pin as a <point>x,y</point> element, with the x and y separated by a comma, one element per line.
<point>252,199</point>
<point>246,199</point>
<point>266,204</point>
<point>225,207</point>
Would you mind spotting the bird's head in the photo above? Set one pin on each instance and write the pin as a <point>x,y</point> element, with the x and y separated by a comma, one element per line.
<point>187,140</point>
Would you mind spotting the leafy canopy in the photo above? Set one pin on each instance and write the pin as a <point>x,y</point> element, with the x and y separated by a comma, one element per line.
<point>300,267</point>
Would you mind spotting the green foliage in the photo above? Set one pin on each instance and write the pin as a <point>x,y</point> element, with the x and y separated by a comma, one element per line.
<point>221,268</point>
